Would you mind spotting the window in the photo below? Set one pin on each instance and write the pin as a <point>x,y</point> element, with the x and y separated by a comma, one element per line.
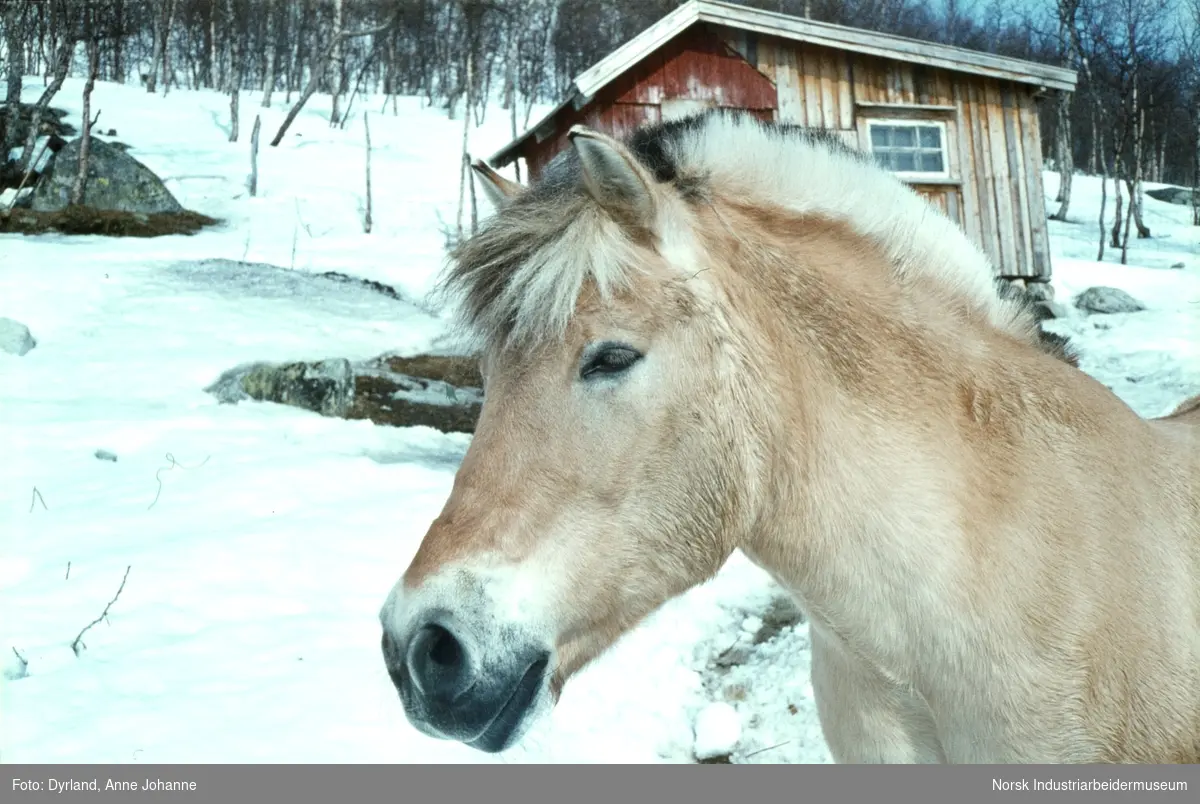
<point>913,149</point>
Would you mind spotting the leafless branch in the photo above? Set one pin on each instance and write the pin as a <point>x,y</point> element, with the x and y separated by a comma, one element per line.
<point>77,647</point>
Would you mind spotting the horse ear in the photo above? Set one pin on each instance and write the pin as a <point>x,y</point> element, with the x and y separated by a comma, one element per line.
<point>613,176</point>
<point>499,190</point>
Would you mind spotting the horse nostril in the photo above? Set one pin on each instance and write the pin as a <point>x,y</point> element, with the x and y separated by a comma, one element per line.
<point>438,663</point>
<point>444,648</point>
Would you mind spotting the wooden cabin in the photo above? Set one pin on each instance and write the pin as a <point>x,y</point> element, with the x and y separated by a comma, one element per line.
<point>960,126</point>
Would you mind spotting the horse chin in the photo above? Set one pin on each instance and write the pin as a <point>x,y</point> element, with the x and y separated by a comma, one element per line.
<point>519,712</point>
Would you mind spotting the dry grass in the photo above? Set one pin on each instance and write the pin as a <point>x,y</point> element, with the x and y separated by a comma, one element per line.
<point>81,220</point>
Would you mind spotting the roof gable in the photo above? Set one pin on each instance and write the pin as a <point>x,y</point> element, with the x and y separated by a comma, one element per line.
<point>855,40</point>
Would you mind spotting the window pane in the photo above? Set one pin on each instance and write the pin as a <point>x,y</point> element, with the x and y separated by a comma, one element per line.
<point>884,159</point>
<point>904,161</point>
<point>879,136</point>
<point>931,137</point>
<point>904,137</point>
<point>931,162</point>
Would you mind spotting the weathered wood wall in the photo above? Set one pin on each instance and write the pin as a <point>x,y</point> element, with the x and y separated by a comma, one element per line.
<point>696,70</point>
<point>994,188</point>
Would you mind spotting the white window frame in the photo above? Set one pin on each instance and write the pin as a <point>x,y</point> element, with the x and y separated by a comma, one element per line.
<point>915,175</point>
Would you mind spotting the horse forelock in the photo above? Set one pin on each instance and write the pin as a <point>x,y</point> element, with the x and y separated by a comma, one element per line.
<point>520,277</point>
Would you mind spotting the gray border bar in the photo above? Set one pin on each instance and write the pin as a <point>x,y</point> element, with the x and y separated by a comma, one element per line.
<point>554,784</point>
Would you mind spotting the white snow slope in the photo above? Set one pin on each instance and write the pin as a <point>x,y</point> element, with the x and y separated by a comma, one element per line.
<point>260,540</point>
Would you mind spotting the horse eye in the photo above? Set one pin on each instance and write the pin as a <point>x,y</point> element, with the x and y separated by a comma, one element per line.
<point>609,360</point>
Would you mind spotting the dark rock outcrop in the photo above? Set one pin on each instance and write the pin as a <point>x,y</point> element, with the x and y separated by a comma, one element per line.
<point>1176,195</point>
<point>115,182</point>
<point>438,391</point>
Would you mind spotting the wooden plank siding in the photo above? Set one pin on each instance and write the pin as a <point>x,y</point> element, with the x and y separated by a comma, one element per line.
<point>993,146</point>
<point>994,187</point>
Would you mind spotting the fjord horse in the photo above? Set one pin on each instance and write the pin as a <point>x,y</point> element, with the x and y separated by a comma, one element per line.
<point>725,335</point>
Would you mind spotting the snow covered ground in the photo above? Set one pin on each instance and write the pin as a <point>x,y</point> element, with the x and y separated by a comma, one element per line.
<point>259,540</point>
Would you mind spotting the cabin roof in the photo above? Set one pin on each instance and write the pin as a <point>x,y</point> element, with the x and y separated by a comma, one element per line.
<point>840,37</point>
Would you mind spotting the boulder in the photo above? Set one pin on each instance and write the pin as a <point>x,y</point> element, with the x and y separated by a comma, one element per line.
<point>438,391</point>
<point>115,182</point>
<point>1107,300</point>
<point>1176,195</point>
<point>51,121</point>
<point>325,387</point>
<point>15,337</point>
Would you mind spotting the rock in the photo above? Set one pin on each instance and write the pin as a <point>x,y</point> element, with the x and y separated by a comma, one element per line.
<point>442,392</point>
<point>51,121</point>
<point>105,455</point>
<point>456,370</point>
<point>115,182</point>
<point>1107,300</point>
<point>1176,195</point>
<point>1039,291</point>
<point>15,337</point>
<point>325,386</point>
<point>1178,266</point>
<point>428,390</point>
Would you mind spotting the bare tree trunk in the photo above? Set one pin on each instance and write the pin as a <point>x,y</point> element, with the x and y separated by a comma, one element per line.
<point>464,169</point>
<point>272,53</point>
<point>1064,157</point>
<point>513,56</point>
<point>314,80</point>
<point>254,156</point>
<point>339,59</point>
<point>156,55</point>
<point>367,131</point>
<point>12,98</point>
<point>1196,169</point>
<point>210,45</point>
<point>85,139</point>
<point>1119,207</point>
<point>234,116</point>
<point>118,42</point>
<point>235,55</point>
<point>1135,187</point>
<point>66,53</point>
<point>1093,168</point>
<point>166,47</point>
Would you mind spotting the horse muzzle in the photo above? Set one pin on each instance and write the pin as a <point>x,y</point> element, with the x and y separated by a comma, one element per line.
<point>453,688</point>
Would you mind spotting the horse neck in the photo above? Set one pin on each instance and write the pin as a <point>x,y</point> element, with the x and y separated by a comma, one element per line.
<point>870,386</point>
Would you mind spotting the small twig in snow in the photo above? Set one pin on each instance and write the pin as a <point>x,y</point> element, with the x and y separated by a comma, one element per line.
<point>68,572</point>
<point>19,672</point>
<point>768,748</point>
<point>295,237</point>
<point>300,218</point>
<point>37,497</point>
<point>171,465</point>
<point>77,646</point>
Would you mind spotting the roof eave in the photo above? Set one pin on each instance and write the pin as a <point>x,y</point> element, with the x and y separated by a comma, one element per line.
<point>770,23</point>
<point>894,47</point>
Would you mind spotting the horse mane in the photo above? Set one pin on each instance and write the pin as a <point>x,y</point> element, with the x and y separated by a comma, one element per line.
<point>519,277</point>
